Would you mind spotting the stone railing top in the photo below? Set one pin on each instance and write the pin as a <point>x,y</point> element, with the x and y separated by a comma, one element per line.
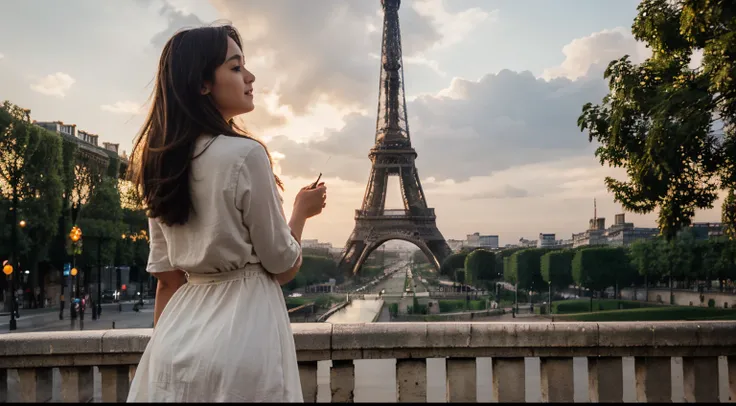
<point>322,341</point>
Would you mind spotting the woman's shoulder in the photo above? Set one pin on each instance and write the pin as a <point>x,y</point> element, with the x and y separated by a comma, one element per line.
<point>232,150</point>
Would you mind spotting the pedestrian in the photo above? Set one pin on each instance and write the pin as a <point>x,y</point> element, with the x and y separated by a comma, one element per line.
<point>220,245</point>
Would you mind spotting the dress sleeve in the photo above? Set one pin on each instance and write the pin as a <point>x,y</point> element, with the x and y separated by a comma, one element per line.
<point>258,199</point>
<point>158,255</point>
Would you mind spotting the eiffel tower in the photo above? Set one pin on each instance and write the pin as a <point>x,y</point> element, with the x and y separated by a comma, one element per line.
<point>393,155</point>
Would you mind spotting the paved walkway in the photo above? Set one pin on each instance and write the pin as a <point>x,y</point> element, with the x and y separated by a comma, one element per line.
<point>48,320</point>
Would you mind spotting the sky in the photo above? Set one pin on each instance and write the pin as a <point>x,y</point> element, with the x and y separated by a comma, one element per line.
<point>494,89</point>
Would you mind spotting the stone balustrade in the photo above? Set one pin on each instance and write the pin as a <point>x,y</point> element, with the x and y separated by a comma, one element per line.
<point>652,344</point>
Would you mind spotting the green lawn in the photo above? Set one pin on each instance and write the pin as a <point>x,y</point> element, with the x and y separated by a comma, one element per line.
<point>583,305</point>
<point>660,313</point>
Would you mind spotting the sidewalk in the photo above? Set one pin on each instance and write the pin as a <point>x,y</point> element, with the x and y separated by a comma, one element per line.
<point>51,314</point>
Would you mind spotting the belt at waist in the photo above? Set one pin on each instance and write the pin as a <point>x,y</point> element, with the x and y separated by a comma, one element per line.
<point>249,271</point>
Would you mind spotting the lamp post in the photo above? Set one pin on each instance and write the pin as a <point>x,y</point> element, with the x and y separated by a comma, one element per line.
<point>549,293</point>
<point>75,235</point>
<point>8,271</point>
<point>100,240</point>
<point>10,266</point>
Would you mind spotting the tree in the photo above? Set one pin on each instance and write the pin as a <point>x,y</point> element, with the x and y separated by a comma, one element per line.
<point>480,265</point>
<point>88,174</point>
<point>672,127</point>
<point>509,270</point>
<point>30,180</point>
<point>101,226</point>
<point>556,268</point>
<point>452,263</point>
<point>643,257</point>
<point>525,265</point>
<point>42,211</point>
<point>601,267</point>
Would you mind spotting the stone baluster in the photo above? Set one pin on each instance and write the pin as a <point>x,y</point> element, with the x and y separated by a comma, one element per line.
<point>411,379</point>
<point>3,385</point>
<point>653,379</point>
<point>35,384</point>
<point>131,372</point>
<point>731,379</point>
<point>115,382</point>
<point>461,380</point>
<point>605,379</point>
<point>308,378</point>
<point>76,384</point>
<point>557,379</point>
<point>342,381</point>
<point>509,383</point>
<point>700,379</point>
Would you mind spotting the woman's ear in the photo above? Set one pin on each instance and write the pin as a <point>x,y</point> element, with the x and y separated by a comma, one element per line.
<point>205,89</point>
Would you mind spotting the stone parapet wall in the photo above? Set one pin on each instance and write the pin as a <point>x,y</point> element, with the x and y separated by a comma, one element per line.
<point>604,345</point>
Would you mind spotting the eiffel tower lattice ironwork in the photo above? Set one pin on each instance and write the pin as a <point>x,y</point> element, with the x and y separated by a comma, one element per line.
<point>393,155</point>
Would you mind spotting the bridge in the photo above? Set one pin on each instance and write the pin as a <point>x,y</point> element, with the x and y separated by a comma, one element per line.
<point>671,361</point>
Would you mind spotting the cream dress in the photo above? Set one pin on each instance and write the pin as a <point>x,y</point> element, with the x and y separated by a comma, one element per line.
<point>225,335</point>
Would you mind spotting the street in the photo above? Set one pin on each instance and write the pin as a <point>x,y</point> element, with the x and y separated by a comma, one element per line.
<point>48,319</point>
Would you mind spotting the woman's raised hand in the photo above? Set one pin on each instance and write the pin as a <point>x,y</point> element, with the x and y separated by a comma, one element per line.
<point>310,202</point>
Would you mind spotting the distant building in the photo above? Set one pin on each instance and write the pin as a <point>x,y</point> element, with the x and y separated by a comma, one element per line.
<point>704,231</point>
<point>523,242</point>
<point>546,240</point>
<point>476,240</point>
<point>620,234</point>
<point>111,147</point>
<point>88,137</point>
<point>316,247</point>
<point>456,245</point>
<point>87,141</point>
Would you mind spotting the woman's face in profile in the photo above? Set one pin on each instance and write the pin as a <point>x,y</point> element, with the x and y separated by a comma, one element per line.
<point>232,91</point>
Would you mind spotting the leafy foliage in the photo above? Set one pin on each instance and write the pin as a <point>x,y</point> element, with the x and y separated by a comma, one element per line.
<point>101,223</point>
<point>452,263</point>
<point>315,270</point>
<point>524,267</point>
<point>556,267</point>
<point>672,127</point>
<point>480,265</point>
<point>601,267</point>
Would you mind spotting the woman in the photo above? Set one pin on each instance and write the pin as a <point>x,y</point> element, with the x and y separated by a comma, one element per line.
<point>220,244</point>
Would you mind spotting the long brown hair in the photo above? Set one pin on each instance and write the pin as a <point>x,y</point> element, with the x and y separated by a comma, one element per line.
<point>160,163</point>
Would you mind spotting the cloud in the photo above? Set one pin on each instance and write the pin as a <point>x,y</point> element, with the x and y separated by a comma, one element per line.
<point>452,28</point>
<point>473,128</point>
<point>505,192</point>
<point>55,84</point>
<point>2,56</point>
<point>122,107</point>
<point>596,51</point>
<point>321,50</point>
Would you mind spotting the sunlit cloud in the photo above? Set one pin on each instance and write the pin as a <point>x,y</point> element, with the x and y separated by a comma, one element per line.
<point>55,84</point>
<point>122,107</point>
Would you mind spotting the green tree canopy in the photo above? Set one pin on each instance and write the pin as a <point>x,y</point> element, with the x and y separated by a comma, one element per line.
<point>601,267</point>
<point>480,265</point>
<point>525,267</point>
<point>101,222</point>
<point>452,263</point>
<point>556,267</point>
<point>30,181</point>
<point>670,126</point>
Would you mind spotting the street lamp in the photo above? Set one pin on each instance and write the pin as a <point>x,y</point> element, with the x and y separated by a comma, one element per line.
<point>549,293</point>
<point>8,271</point>
<point>9,266</point>
<point>98,307</point>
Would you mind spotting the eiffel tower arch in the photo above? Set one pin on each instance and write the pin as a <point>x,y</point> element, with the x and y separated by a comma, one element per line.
<point>393,155</point>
